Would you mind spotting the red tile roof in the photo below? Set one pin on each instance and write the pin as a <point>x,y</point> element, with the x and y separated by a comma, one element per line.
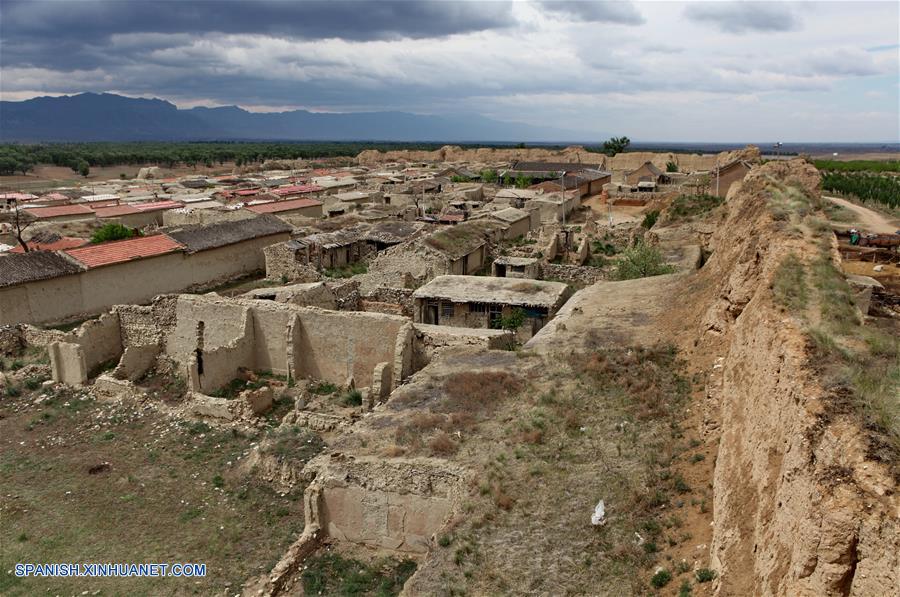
<point>157,205</point>
<point>59,210</point>
<point>279,206</point>
<point>116,211</point>
<point>246,192</point>
<point>66,242</point>
<point>121,251</point>
<point>296,189</point>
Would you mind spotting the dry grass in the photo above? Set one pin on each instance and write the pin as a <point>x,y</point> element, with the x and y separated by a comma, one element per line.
<point>601,426</point>
<point>471,392</point>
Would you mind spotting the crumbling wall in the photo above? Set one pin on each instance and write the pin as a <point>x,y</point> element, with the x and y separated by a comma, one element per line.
<point>96,343</point>
<point>572,274</point>
<point>389,300</point>
<point>337,346</point>
<point>431,339</point>
<point>282,263</point>
<point>386,504</point>
<point>220,365</point>
<point>311,294</point>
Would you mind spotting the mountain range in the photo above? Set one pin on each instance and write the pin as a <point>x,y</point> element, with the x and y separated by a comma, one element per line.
<point>111,117</point>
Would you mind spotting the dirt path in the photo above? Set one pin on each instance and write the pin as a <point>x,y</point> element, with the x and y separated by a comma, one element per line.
<point>869,219</point>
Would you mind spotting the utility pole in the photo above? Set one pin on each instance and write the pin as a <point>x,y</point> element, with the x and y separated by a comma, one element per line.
<point>562,186</point>
<point>717,176</point>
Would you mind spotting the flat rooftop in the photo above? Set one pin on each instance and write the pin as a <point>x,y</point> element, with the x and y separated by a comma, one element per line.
<point>505,291</point>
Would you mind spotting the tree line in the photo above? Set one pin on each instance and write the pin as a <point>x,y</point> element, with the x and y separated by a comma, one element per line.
<point>80,157</point>
<point>864,186</point>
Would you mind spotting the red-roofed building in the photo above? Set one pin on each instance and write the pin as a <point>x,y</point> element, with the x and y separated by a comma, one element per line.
<point>66,242</point>
<point>116,211</point>
<point>155,205</point>
<point>52,199</point>
<point>309,208</point>
<point>296,190</point>
<point>121,251</point>
<point>61,213</point>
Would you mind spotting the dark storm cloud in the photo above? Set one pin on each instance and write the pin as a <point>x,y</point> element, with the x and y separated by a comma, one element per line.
<point>75,33</point>
<point>744,17</point>
<point>623,13</point>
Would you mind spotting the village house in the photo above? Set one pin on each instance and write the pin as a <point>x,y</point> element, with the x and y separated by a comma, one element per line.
<point>516,267</point>
<point>61,213</point>
<point>324,250</point>
<point>385,234</point>
<point>309,208</point>
<point>50,241</point>
<point>723,177</point>
<point>646,177</point>
<point>520,221</point>
<point>132,270</point>
<point>486,302</point>
<point>583,184</point>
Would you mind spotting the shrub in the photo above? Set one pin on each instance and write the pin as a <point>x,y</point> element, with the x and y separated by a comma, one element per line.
<point>650,219</point>
<point>641,261</point>
<point>688,206</point>
<point>671,167</point>
<point>323,388</point>
<point>685,589</point>
<point>705,575</point>
<point>111,232</point>
<point>661,578</point>
<point>442,445</point>
<point>353,398</point>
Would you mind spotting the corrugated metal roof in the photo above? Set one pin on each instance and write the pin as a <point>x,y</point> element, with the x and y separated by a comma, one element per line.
<point>280,206</point>
<point>121,251</point>
<point>59,210</point>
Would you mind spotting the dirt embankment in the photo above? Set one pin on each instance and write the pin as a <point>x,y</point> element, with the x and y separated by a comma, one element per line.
<point>799,507</point>
<point>622,162</point>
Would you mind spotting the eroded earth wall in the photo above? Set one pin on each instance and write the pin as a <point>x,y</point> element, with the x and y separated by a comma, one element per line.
<point>799,509</point>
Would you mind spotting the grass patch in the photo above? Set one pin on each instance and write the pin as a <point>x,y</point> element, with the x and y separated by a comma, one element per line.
<point>331,574</point>
<point>323,388</point>
<point>686,207</point>
<point>352,398</point>
<point>791,291</point>
<point>347,271</point>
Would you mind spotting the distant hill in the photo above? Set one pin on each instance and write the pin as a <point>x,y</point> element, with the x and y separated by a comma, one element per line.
<point>110,117</point>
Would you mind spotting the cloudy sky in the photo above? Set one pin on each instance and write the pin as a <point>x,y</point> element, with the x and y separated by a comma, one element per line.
<point>655,71</point>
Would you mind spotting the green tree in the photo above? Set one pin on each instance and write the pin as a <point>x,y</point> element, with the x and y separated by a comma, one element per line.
<point>489,176</point>
<point>641,261</point>
<point>616,145</point>
<point>671,167</point>
<point>113,232</point>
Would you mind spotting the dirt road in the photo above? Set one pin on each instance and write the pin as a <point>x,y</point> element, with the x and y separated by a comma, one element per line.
<point>870,220</point>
